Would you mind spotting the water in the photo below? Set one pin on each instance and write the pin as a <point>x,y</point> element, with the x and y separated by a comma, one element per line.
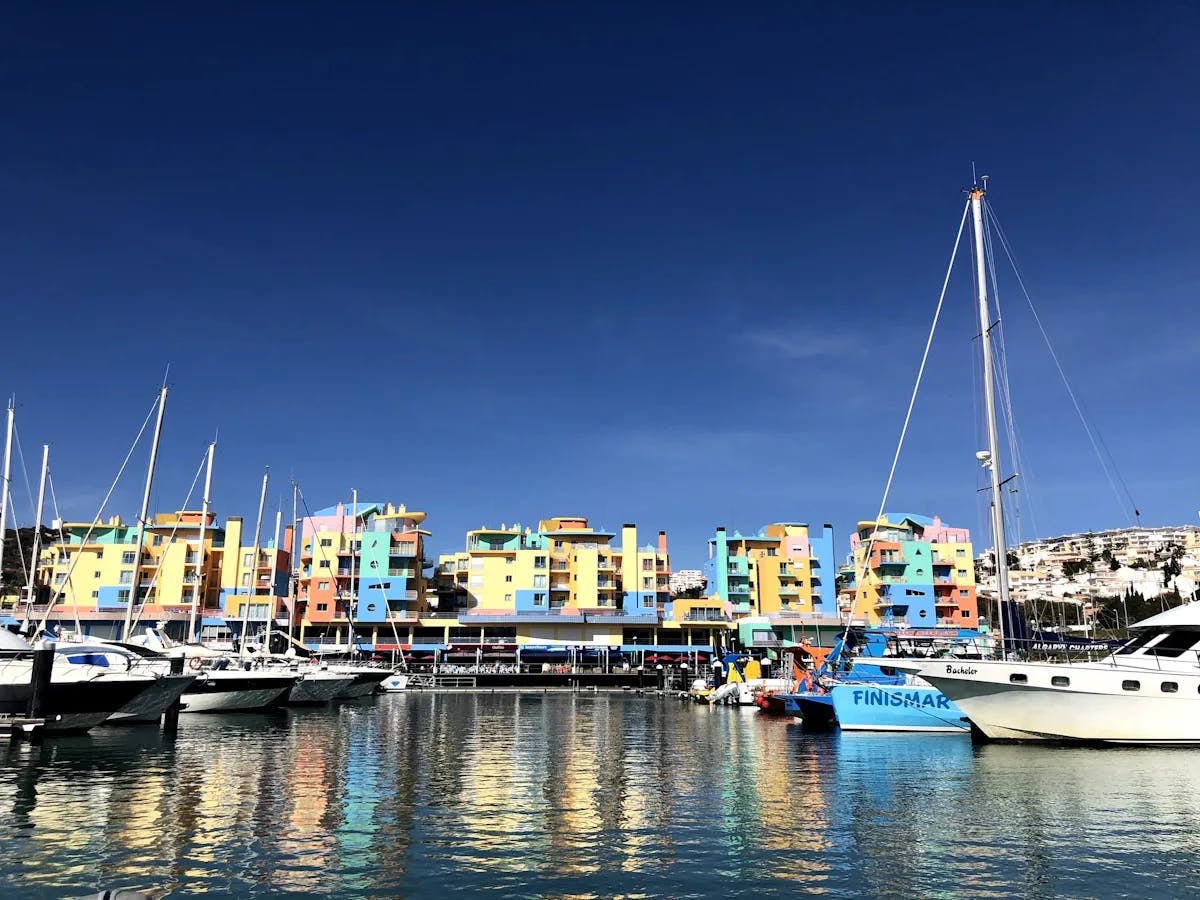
<point>563,795</point>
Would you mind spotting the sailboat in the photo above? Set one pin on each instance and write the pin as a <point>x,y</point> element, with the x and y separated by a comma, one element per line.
<point>1145,692</point>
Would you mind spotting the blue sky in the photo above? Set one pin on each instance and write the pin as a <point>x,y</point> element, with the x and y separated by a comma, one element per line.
<point>662,263</point>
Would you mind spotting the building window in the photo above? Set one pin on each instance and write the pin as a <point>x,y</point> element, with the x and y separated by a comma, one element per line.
<point>157,541</point>
<point>95,595</point>
<point>964,593</point>
<point>647,584</point>
<point>508,579</point>
<point>558,545</point>
<point>960,552</point>
<point>127,557</point>
<point>247,559</point>
<point>322,585</point>
<point>123,596</point>
<point>60,577</point>
<point>647,565</point>
<point>539,599</point>
<point>95,574</point>
<point>770,551</point>
<point>126,577</point>
<point>508,598</point>
<point>539,562</point>
<point>647,602</point>
<point>323,564</point>
<point>246,579</point>
<point>962,573</point>
<point>508,560</point>
<point>539,581</point>
<point>322,607</point>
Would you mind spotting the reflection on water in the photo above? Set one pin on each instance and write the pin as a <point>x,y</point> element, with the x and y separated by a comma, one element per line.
<point>585,796</point>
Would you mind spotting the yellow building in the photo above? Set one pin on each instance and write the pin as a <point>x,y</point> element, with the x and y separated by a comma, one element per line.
<point>88,574</point>
<point>563,583</point>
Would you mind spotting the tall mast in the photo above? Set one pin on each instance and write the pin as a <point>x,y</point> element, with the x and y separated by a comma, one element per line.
<point>274,572</point>
<point>4,489</point>
<point>350,613</point>
<point>200,564</point>
<point>37,525</point>
<point>262,500</point>
<point>294,587</point>
<point>139,549</point>
<point>992,462</point>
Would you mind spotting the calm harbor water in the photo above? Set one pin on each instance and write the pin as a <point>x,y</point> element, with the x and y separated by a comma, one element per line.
<point>563,795</point>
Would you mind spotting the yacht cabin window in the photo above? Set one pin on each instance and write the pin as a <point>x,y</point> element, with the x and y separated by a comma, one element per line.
<point>1174,644</point>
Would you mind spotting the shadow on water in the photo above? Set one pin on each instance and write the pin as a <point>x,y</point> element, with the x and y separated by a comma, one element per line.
<point>586,795</point>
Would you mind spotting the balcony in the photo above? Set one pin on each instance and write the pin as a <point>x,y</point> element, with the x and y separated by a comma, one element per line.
<point>788,590</point>
<point>705,615</point>
<point>404,549</point>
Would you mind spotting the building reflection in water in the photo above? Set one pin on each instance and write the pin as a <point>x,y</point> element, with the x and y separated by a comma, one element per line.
<point>584,795</point>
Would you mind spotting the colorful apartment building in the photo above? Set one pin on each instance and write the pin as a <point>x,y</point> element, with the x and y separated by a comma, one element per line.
<point>88,574</point>
<point>784,568</point>
<point>920,572</point>
<point>361,574</point>
<point>562,583</point>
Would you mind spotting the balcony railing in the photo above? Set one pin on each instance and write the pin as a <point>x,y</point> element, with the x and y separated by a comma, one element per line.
<point>705,615</point>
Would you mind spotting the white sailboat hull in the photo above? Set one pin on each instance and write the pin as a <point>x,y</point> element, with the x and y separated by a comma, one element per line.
<point>1090,702</point>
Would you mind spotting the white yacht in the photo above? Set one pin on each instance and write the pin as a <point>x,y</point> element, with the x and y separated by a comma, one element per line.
<point>84,691</point>
<point>1145,692</point>
<point>223,684</point>
<point>150,704</point>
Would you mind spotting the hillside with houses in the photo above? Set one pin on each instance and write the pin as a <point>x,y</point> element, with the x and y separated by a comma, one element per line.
<point>1112,576</point>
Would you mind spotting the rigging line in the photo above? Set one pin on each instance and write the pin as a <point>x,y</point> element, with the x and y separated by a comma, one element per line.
<point>137,615</point>
<point>17,533</point>
<point>62,536</point>
<point>24,471</point>
<point>103,503</point>
<point>861,577</point>
<point>1062,373</point>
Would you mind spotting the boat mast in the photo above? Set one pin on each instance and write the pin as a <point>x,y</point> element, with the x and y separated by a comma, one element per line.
<point>262,500</point>
<point>139,551</point>
<point>991,461</point>
<point>294,587</point>
<point>274,572</point>
<point>37,525</point>
<point>192,634</point>
<point>353,610</point>
<point>4,488</point>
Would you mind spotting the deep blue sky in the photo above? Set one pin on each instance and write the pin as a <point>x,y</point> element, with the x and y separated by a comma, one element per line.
<point>670,264</point>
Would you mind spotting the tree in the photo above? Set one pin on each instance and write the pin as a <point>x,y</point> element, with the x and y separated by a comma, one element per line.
<point>1113,564</point>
